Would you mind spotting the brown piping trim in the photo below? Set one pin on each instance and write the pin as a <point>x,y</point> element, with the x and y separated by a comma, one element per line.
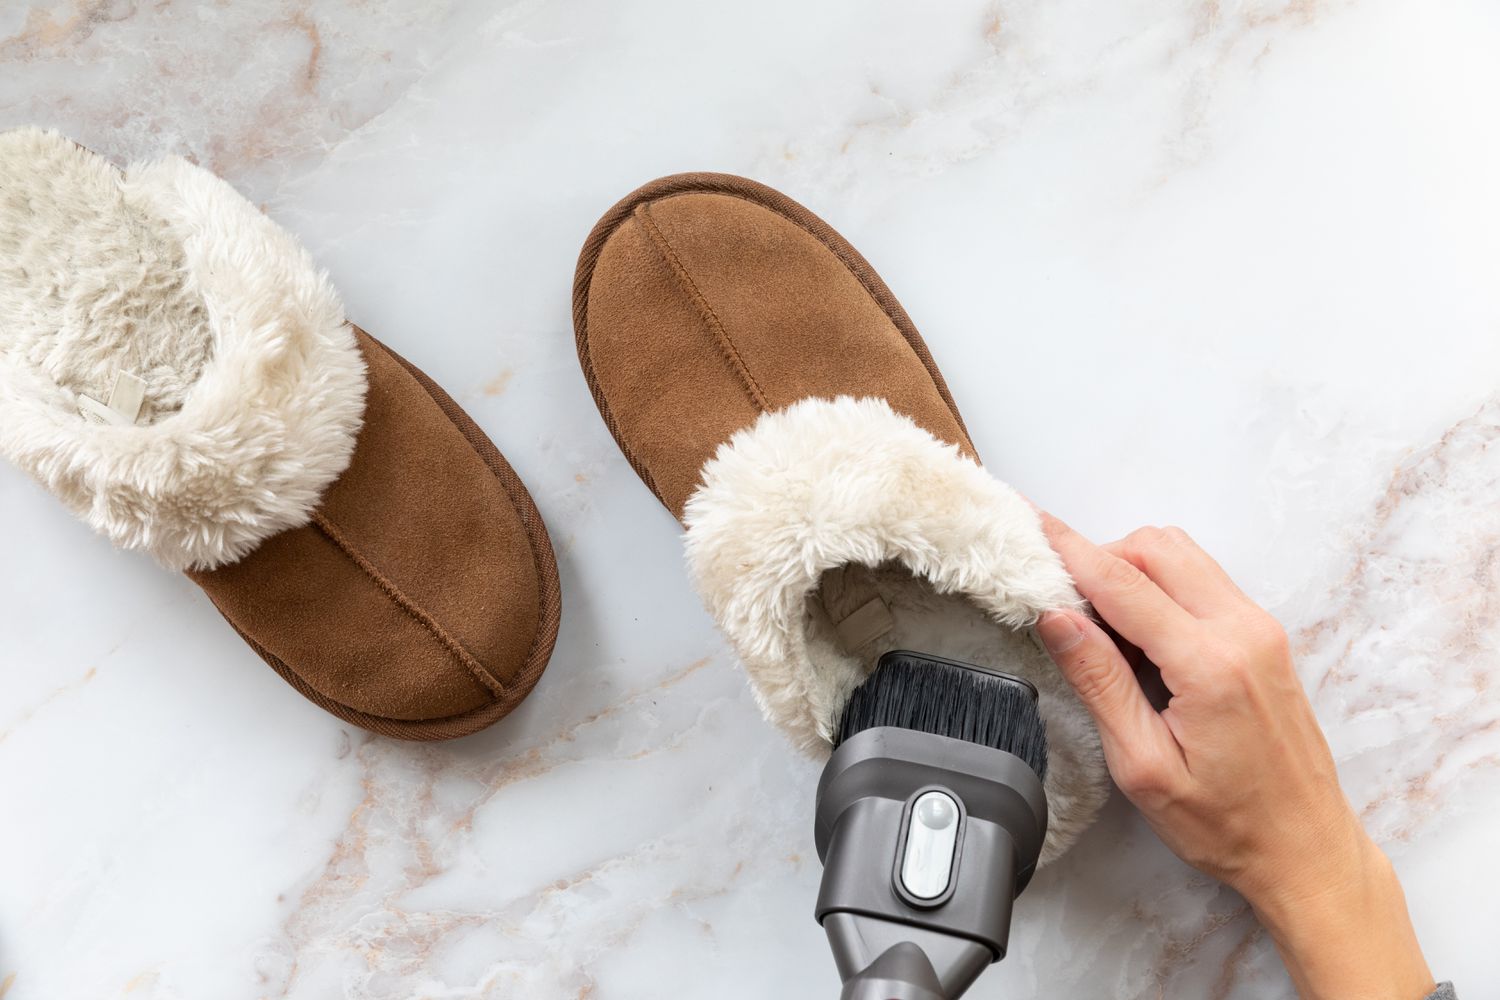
<point>454,648</point>
<point>758,194</point>
<point>705,309</point>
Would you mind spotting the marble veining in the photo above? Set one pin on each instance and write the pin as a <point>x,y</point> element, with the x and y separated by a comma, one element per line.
<point>1242,254</point>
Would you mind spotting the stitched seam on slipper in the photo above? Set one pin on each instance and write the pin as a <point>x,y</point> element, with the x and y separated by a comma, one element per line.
<point>510,482</point>
<point>406,604</point>
<point>865,275</point>
<point>726,344</point>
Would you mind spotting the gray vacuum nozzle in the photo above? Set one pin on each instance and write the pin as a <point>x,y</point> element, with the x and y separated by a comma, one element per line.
<point>902,972</point>
<point>926,840</point>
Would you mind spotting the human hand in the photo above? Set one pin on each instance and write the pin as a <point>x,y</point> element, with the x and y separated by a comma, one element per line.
<point>1234,774</point>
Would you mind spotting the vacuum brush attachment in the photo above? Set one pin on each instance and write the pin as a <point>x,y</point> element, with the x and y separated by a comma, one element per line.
<point>930,819</point>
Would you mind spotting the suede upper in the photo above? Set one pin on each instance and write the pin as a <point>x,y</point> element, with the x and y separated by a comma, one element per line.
<point>419,594</point>
<point>686,351</point>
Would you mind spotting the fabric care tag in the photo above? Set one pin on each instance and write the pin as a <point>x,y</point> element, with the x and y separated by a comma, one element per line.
<point>869,621</point>
<point>124,404</point>
<point>1036,640</point>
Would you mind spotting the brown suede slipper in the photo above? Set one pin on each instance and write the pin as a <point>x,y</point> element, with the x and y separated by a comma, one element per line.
<point>770,390</point>
<point>175,369</point>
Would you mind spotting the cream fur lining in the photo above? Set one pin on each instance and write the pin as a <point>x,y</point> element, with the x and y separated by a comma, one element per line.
<point>812,511</point>
<point>254,383</point>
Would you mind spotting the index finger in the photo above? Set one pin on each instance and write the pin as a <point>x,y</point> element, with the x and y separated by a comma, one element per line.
<point>1125,597</point>
<point>1180,567</point>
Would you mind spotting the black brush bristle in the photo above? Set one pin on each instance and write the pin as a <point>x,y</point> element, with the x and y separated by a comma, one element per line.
<point>911,691</point>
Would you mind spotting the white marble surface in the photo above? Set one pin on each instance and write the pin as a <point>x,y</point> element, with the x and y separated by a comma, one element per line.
<point>1240,255</point>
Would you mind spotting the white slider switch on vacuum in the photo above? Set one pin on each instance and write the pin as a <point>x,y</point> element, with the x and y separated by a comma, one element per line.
<point>927,864</point>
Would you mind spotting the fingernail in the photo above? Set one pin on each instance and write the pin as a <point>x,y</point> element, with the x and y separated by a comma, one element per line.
<point>1059,632</point>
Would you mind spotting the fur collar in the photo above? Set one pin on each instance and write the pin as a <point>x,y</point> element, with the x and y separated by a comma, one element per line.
<point>254,383</point>
<point>815,509</point>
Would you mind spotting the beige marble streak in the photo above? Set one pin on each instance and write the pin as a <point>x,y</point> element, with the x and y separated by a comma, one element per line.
<point>29,712</point>
<point>1024,65</point>
<point>402,835</point>
<point>1411,641</point>
<point>249,90</point>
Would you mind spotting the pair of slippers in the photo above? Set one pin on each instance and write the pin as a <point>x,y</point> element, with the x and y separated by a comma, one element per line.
<point>175,369</point>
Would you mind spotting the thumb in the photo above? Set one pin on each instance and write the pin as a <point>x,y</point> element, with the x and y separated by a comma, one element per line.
<point>1129,728</point>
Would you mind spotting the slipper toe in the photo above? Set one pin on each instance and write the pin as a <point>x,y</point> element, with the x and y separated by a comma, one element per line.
<point>421,601</point>
<point>703,301</point>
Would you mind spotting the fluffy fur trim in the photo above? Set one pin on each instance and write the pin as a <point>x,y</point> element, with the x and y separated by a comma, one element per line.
<point>827,503</point>
<point>254,383</point>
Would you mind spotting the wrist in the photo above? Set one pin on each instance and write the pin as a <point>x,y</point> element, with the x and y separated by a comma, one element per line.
<point>1347,933</point>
